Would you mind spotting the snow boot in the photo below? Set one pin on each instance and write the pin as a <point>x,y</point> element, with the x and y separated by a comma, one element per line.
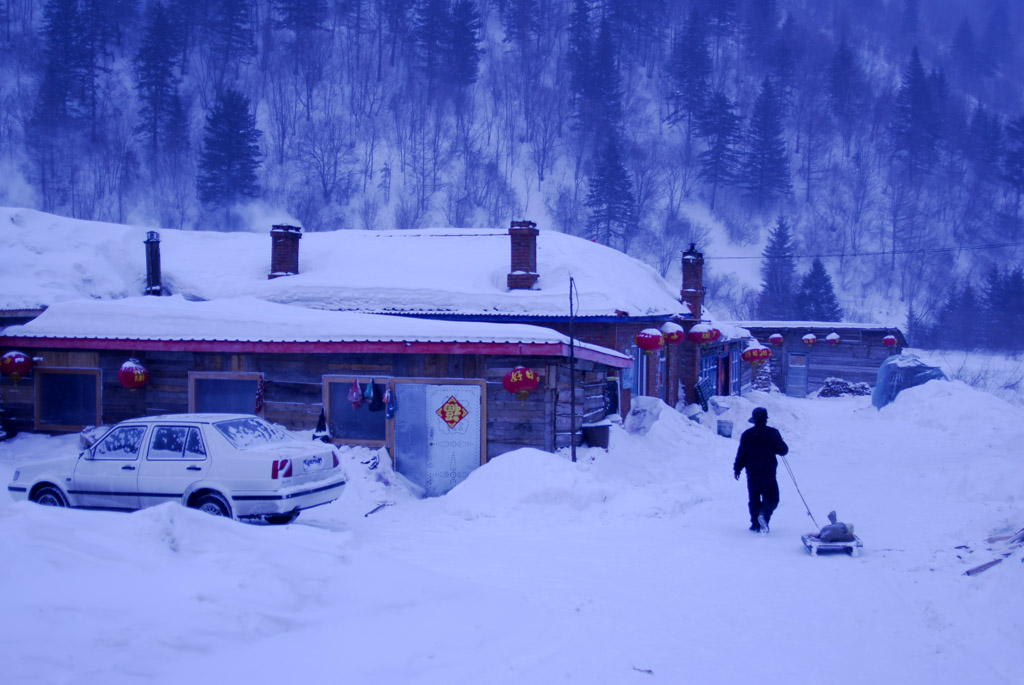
<point>763,524</point>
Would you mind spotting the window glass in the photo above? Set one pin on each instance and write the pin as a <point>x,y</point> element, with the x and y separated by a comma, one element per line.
<point>121,443</point>
<point>168,442</point>
<point>226,395</point>
<point>249,432</point>
<point>67,399</point>
<point>194,447</point>
<point>361,421</point>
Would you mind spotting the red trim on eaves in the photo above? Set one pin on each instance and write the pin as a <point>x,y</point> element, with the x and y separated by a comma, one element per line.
<point>319,347</point>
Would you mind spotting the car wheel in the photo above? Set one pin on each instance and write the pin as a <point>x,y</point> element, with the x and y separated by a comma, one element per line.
<point>49,496</point>
<point>281,519</point>
<point>213,504</point>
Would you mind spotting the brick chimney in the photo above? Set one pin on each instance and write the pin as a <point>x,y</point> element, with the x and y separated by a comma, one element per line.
<point>284,250</point>
<point>693,281</point>
<point>523,273</point>
<point>153,280</point>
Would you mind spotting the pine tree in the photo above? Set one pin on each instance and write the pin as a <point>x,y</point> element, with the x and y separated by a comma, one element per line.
<point>764,172</point>
<point>846,88</point>
<point>231,34</point>
<point>463,46</point>
<point>914,128</point>
<point>690,72</point>
<point>519,18</point>
<point>778,275</point>
<point>430,32</point>
<point>58,101</point>
<point>720,127</point>
<point>606,96</point>
<point>963,50</point>
<point>816,299</point>
<point>985,144</point>
<point>301,17</point>
<point>579,55</point>
<point>610,199</point>
<point>1013,162</point>
<point>231,153</point>
<point>155,78</point>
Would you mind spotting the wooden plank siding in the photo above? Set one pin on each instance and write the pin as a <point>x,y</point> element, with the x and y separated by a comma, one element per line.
<point>293,388</point>
<point>855,358</point>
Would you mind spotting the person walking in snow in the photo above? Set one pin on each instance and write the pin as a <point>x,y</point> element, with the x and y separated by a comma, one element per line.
<point>757,452</point>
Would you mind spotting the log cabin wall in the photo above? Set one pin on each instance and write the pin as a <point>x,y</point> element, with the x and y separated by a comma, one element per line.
<point>293,388</point>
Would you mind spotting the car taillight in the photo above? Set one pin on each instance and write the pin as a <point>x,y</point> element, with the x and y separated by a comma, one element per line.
<point>335,455</point>
<point>282,468</point>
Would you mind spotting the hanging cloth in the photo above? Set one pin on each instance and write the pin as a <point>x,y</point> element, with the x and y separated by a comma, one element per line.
<point>389,401</point>
<point>355,395</point>
<point>377,401</point>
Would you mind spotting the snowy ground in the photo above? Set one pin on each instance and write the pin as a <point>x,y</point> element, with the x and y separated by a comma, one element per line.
<point>633,565</point>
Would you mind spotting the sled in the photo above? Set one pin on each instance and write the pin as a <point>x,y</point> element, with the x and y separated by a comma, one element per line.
<point>816,546</point>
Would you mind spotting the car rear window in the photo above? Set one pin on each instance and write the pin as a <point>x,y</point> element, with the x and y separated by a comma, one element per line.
<point>249,432</point>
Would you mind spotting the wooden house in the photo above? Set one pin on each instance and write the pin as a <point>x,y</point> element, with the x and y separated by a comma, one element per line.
<point>591,301</point>
<point>431,392</point>
<point>805,353</point>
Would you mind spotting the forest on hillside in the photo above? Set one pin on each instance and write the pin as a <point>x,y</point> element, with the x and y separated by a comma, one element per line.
<point>888,135</point>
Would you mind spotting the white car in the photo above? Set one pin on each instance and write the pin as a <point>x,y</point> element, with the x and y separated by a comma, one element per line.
<point>233,465</point>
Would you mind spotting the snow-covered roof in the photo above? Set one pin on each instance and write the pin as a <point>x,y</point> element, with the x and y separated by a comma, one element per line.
<point>138,320</point>
<point>48,259</point>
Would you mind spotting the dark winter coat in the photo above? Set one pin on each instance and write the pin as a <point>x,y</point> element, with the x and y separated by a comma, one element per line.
<point>758,448</point>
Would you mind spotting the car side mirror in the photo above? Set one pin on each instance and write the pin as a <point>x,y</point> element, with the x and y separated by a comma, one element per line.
<point>85,454</point>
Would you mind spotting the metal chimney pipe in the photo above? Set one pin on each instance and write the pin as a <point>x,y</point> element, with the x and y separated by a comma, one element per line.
<point>153,279</point>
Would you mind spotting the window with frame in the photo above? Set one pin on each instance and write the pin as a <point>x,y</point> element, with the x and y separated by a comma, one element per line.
<point>362,422</point>
<point>225,392</point>
<point>66,399</point>
<point>639,384</point>
<point>121,443</point>
<point>176,442</point>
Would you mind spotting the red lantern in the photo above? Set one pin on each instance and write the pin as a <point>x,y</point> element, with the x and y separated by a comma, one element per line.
<point>755,354</point>
<point>775,338</point>
<point>704,333</point>
<point>832,338</point>
<point>673,332</point>
<point>650,340</point>
<point>16,365</point>
<point>133,375</point>
<point>520,381</point>
<point>810,339</point>
<point>889,341</point>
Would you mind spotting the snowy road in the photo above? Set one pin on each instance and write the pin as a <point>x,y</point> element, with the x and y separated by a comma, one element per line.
<point>633,565</point>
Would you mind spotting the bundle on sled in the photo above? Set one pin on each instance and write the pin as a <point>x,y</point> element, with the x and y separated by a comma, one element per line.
<point>835,537</point>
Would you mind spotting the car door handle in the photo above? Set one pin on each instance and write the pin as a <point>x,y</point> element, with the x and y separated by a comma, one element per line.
<point>194,468</point>
<point>127,467</point>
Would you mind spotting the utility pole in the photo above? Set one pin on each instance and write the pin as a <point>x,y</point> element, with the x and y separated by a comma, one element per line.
<point>572,374</point>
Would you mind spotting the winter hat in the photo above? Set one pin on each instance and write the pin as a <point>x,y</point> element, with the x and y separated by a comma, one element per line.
<point>759,416</point>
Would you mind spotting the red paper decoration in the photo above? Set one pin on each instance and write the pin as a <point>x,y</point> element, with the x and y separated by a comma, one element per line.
<point>704,333</point>
<point>756,354</point>
<point>521,381</point>
<point>889,341</point>
<point>832,338</point>
<point>810,339</point>
<point>673,332</point>
<point>775,338</point>
<point>650,340</point>
<point>133,375</point>
<point>16,365</point>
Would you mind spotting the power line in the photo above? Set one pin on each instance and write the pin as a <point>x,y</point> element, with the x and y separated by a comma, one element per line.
<point>881,253</point>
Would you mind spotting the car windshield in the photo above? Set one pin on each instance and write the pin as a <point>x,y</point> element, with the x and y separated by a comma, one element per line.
<point>250,432</point>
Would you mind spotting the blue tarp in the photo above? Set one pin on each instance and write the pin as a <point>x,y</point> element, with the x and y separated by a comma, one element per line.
<point>900,372</point>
